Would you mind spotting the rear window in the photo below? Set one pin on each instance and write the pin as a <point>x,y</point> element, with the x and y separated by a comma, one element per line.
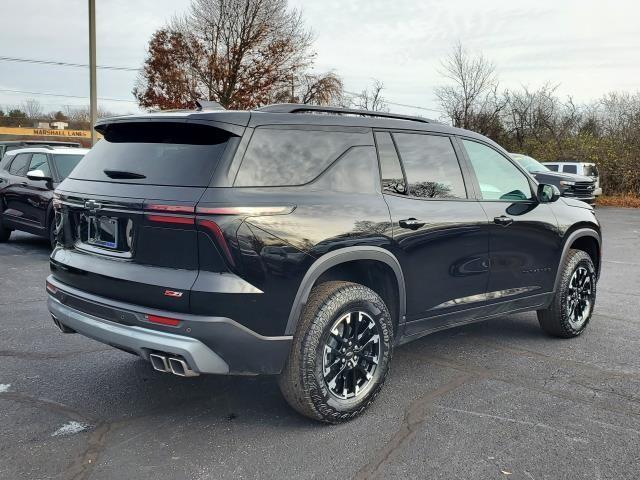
<point>286,157</point>
<point>154,153</point>
<point>66,163</point>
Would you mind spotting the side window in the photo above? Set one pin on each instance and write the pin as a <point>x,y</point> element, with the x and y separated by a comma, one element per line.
<point>431,166</point>
<point>392,176</point>
<point>355,172</point>
<point>499,179</point>
<point>551,166</point>
<point>39,162</point>
<point>287,157</point>
<point>20,164</point>
<point>570,168</point>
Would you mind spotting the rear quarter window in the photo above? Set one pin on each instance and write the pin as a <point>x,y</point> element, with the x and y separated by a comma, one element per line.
<point>155,153</point>
<point>287,157</point>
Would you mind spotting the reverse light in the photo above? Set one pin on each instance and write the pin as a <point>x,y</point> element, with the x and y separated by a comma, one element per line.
<point>170,322</point>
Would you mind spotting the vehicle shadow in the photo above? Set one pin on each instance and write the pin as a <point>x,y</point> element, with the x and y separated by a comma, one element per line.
<point>257,399</point>
<point>25,242</point>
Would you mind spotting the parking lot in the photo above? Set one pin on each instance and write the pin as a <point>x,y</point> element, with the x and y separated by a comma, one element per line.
<point>492,400</point>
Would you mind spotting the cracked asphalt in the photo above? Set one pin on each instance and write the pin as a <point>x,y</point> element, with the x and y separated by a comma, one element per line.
<point>492,400</point>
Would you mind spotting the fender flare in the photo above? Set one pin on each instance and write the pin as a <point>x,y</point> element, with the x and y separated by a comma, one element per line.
<point>573,236</point>
<point>336,257</point>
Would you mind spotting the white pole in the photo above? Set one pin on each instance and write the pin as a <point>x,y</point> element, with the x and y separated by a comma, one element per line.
<point>93,100</point>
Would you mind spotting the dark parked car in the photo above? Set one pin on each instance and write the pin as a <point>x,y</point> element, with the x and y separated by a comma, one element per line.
<point>308,242</point>
<point>570,185</point>
<point>28,177</point>
<point>8,145</point>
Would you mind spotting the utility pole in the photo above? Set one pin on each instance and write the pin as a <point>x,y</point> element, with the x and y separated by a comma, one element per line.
<point>93,95</point>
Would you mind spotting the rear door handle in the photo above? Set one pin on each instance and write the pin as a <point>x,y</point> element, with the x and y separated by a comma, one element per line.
<point>411,223</point>
<point>503,220</point>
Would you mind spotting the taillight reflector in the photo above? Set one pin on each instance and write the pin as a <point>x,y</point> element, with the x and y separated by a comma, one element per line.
<point>51,288</point>
<point>171,322</point>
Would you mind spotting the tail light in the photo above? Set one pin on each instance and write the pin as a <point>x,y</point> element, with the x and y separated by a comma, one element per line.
<point>186,215</point>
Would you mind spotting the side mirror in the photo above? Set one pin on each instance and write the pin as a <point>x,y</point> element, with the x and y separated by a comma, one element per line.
<point>38,175</point>
<point>548,193</point>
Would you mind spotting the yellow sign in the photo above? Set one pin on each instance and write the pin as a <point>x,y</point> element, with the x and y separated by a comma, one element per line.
<point>45,132</point>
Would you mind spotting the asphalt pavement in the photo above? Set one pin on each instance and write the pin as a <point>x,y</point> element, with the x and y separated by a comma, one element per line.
<point>494,400</point>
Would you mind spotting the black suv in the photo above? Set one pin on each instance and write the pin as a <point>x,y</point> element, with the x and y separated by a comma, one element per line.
<point>308,242</point>
<point>28,177</point>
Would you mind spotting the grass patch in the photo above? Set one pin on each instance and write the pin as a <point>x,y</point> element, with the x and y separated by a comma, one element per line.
<point>627,201</point>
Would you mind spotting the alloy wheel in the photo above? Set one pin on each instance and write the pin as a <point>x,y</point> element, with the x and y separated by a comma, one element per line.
<point>351,355</point>
<point>579,297</point>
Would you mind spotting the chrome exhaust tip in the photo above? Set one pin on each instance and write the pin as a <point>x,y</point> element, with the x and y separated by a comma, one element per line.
<point>181,368</point>
<point>159,363</point>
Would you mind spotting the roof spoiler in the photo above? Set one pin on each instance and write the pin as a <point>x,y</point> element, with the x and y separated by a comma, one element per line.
<point>209,105</point>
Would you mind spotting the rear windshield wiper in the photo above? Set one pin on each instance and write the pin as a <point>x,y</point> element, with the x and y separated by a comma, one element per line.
<point>123,175</point>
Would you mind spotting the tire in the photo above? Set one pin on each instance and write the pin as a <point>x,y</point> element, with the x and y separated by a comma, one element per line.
<point>5,233</point>
<point>52,233</point>
<point>330,313</point>
<point>572,305</point>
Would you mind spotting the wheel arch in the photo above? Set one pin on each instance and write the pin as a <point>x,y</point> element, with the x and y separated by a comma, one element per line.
<point>585,239</point>
<point>342,257</point>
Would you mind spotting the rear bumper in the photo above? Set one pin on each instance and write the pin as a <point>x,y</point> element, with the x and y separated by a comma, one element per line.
<point>215,345</point>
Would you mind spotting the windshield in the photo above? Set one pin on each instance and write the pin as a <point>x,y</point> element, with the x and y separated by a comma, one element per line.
<point>531,164</point>
<point>591,170</point>
<point>66,163</point>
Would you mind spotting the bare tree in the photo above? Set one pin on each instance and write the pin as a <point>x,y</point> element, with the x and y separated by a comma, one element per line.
<point>371,98</point>
<point>33,109</point>
<point>320,89</point>
<point>311,89</point>
<point>473,92</point>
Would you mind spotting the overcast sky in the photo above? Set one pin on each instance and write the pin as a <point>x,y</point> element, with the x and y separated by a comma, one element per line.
<point>588,47</point>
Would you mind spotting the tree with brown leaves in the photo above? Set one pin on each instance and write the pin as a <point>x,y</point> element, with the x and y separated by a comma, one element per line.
<point>240,53</point>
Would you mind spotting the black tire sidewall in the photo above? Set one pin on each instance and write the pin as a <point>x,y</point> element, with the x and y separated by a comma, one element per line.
<point>5,232</point>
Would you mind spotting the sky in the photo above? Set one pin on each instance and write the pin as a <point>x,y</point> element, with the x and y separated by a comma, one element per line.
<point>585,47</point>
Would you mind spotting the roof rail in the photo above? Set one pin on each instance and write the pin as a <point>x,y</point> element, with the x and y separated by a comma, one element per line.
<point>301,108</point>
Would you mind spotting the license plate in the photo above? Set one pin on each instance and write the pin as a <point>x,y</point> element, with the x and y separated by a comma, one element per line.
<point>102,231</point>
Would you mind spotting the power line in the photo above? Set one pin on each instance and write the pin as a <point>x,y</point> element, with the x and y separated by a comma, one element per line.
<point>132,69</point>
<point>401,104</point>
<point>46,94</point>
<point>66,64</point>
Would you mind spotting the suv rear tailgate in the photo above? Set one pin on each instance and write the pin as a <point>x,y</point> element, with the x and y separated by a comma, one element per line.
<point>126,214</point>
